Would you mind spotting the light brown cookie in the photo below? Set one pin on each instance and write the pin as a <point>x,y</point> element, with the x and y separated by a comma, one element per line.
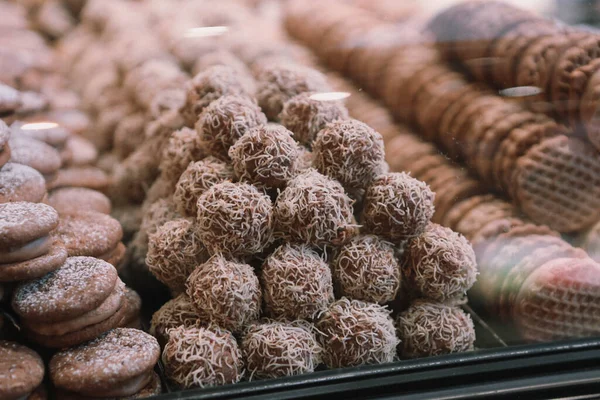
<point>21,370</point>
<point>117,364</point>
<point>21,183</point>
<point>89,233</point>
<point>72,199</point>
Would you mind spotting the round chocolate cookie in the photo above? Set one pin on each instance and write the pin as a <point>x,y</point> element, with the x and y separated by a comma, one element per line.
<point>34,153</point>
<point>22,223</point>
<point>89,233</point>
<point>80,285</point>
<point>4,148</point>
<point>86,176</point>
<point>10,100</point>
<point>79,151</point>
<point>119,363</point>
<point>21,370</point>
<point>35,267</point>
<point>48,132</point>
<point>73,199</point>
<point>21,183</point>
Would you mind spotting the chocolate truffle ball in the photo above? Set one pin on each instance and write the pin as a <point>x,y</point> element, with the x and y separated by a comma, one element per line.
<point>296,282</point>
<point>306,116</point>
<point>235,219</point>
<point>278,83</point>
<point>220,57</point>
<point>397,206</point>
<point>440,264</point>
<point>429,328</point>
<point>266,156</point>
<point>211,84</point>
<point>225,292</point>
<point>354,332</point>
<point>202,357</point>
<point>366,268</point>
<point>158,213</point>
<point>174,251</point>
<point>196,179</point>
<point>273,349</point>
<point>175,312</point>
<point>349,151</point>
<point>226,120</point>
<point>314,209</point>
<point>181,149</point>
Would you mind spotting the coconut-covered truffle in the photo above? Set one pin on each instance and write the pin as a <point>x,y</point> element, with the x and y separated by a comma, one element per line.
<point>429,328</point>
<point>266,156</point>
<point>156,214</point>
<point>196,179</point>
<point>366,268</point>
<point>273,349</point>
<point>314,209</point>
<point>235,219</point>
<point>173,253</point>
<point>397,206</point>
<point>440,264</point>
<point>225,292</point>
<point>305,115</point>
<point>181,149</point>
<point>278,83</point>
<point>220,57</point>
<point>354,332</point>
<point>211,84</point>
<point>175,312</point>
<point>296,282</point>
<point>202,357</point>
<point>349,151</point>
<point>226,120</point>
<point>304,160</point>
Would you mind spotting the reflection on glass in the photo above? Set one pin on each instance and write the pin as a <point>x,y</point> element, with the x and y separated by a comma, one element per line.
<point>38,126</point>
<point>206,31</point>
<point>330,96</point>
<point>520,91</point>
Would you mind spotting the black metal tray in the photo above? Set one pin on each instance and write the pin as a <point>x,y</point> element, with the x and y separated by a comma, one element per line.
<point>494,370</point>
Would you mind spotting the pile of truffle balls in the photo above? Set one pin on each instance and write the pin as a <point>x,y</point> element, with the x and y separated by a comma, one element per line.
<point>287,245</point>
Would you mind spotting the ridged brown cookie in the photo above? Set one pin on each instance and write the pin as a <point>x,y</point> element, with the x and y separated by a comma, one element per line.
<point>557,183</point>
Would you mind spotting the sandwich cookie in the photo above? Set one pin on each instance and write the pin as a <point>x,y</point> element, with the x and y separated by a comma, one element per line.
<point>116,365</point>
<point>10,100</point>
<point>35,154</point>
<point>132,318</point>
<point>21,371</point>
<point>78,151</point>
<point>4,145</point>
<point>92,234</point>
<point>27,249</point>
<point>86,176</point>
<point>48,132</point>
<point>71,305</point>
<point>71,199</point>
<point>21,183</point>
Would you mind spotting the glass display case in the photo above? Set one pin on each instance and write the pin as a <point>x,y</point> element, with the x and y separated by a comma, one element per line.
<point>290,199</point>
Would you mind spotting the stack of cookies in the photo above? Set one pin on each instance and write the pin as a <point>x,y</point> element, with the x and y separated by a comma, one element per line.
<point>73,304</point>
<point>29,250</point>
